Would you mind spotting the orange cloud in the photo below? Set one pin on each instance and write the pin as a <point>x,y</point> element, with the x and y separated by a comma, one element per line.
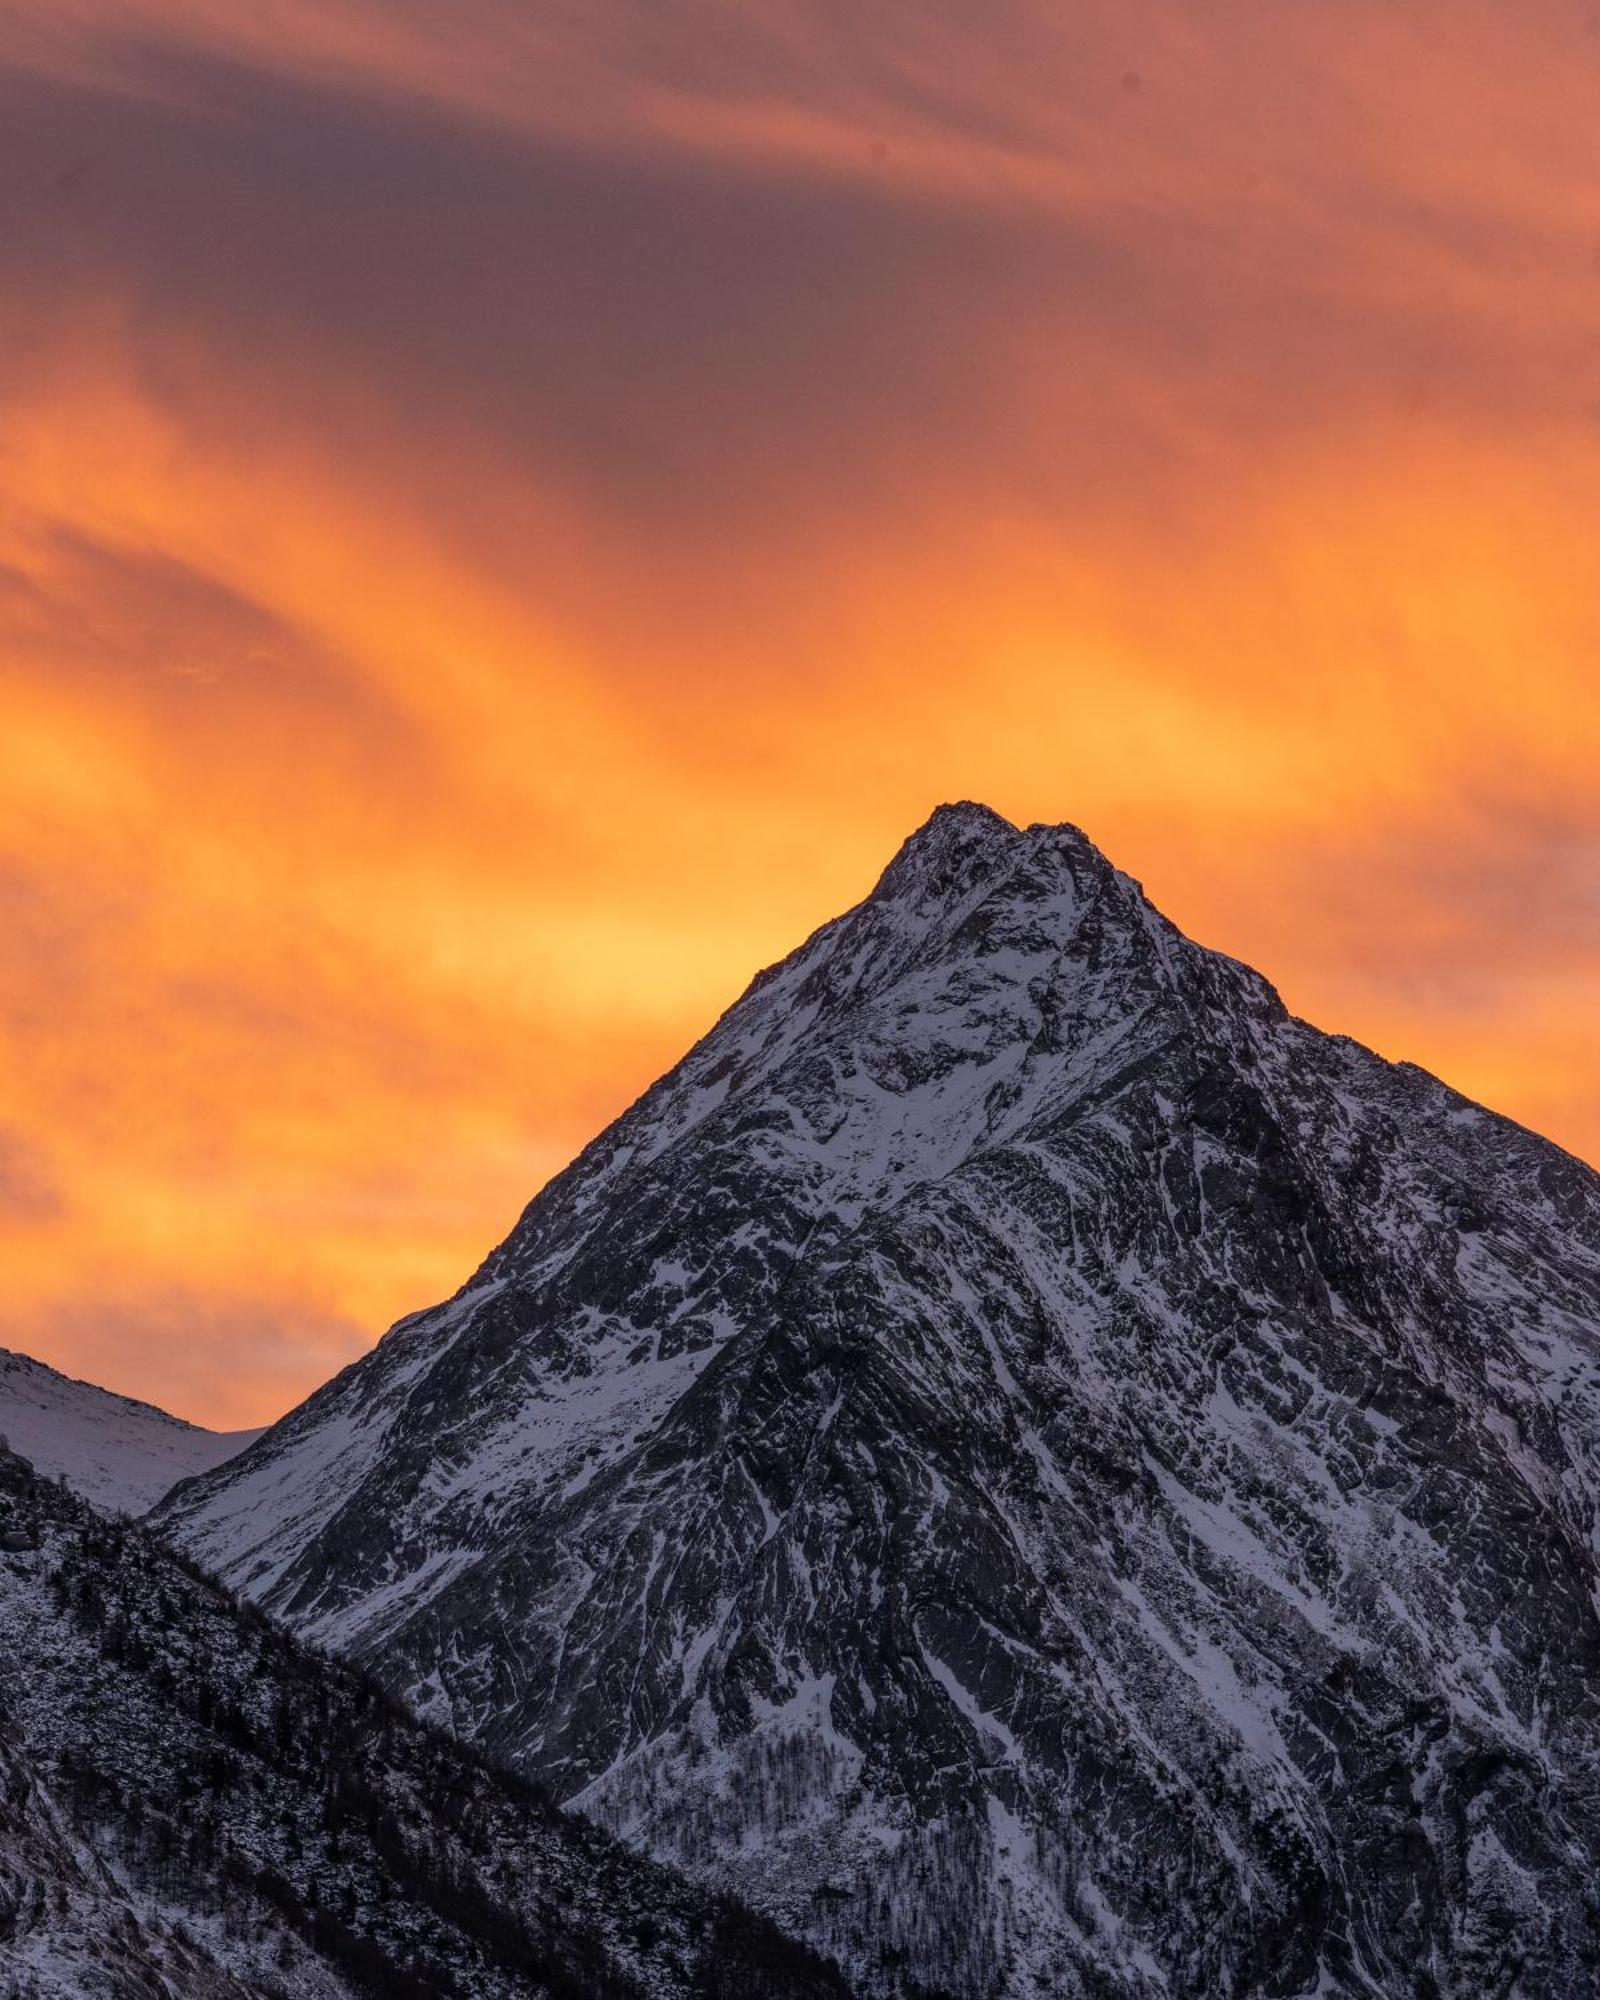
<point>500,533</point>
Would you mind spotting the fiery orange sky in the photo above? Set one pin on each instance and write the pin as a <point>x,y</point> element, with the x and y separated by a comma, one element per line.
<point>509,513</point>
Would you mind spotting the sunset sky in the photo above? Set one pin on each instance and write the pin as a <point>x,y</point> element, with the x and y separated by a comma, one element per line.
<point>510,512</point>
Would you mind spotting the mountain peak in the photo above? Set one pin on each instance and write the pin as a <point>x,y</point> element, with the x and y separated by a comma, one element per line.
<point>964,847</point>
<point>1019,1423</point>
<point>970,815</point>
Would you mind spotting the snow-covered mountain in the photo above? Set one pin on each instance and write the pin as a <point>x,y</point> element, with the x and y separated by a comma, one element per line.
<point>1022,1458</point>
<point>120,1455</point>
<point>192,1807</point>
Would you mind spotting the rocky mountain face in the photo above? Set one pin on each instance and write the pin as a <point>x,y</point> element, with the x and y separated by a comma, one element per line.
<point>120,1455</point>
<point>194,1808</point>
<point>1022,1458</point>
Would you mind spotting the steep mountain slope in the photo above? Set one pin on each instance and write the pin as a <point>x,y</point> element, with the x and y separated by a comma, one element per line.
<point>121,1455</point>
<point>193,1808</point>
<point>1024,1458</point>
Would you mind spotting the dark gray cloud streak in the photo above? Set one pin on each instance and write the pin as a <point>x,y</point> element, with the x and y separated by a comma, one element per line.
<point>681,346</point>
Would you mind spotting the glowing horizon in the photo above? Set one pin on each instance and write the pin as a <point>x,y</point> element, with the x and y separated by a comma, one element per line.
<point>506,523</point>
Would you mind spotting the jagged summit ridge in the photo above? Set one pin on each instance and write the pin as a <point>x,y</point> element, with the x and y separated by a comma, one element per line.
<point>953,848</point>
<point>1020,1456</point>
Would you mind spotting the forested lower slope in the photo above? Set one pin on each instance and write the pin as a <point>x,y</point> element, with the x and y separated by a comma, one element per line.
<point>193,1805</point>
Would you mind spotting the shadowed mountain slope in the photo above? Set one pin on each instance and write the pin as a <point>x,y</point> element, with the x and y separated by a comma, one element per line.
<point>192,1807</point>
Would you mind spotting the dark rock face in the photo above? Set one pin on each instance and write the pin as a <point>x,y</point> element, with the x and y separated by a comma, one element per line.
<point>1022,1458</point>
